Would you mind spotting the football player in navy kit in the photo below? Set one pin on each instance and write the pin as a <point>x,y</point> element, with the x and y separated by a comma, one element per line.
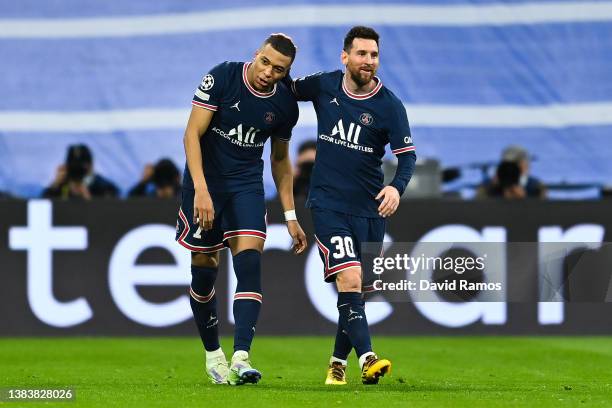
<point>357,117</point>
<point>236,108</point>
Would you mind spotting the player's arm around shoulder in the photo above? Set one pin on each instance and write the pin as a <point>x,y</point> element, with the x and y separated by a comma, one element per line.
<point>199,120</point>
<point>283,178</point>
<point>305,88</point>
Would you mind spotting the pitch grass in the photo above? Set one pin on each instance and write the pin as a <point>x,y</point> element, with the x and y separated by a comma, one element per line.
<point>427,372</point>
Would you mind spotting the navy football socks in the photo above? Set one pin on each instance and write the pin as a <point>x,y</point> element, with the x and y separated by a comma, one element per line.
<point>353,321</point>
<point>342,345</point>
<point>204,305</point>
<point>247,300</point>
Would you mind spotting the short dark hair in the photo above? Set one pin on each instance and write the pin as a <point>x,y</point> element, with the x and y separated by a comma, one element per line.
<point>78,153</point>
<point>283,44</point>
<point>359,32</point>
<point>165,173</point>
<point>307,145</point>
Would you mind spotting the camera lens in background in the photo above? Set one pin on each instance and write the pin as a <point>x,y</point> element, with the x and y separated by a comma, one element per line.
<point>78,161</point>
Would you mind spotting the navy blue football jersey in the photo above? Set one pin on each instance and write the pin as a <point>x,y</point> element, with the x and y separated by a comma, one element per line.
<point>244,119</point>
<point>353,131</point>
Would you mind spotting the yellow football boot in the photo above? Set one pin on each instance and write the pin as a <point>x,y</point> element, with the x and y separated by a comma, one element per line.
<point>374,368</point>
<point>336,374</point>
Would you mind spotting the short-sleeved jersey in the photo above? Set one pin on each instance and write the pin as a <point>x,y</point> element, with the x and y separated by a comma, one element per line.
<point>244,119</point>
<point>353,131</point>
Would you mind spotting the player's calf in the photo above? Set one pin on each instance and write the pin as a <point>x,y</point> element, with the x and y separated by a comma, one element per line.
<point>204,307</point>
<point>248,297</point>
<point>353,321</point>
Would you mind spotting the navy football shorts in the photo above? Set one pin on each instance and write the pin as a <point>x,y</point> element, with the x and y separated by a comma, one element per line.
<point>236,214</point>
<point>342,239</point>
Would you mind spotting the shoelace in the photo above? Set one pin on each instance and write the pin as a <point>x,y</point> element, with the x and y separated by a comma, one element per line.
<point>337,372</point>
<point>219,361</point>
<point>369,361</point>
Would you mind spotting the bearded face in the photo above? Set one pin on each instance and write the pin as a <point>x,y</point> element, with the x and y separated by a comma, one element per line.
<point>361,61</point>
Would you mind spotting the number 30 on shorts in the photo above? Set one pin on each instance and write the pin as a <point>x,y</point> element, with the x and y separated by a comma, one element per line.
<point>344,247</point>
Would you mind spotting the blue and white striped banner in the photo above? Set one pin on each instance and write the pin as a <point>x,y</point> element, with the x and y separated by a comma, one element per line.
<point>474,76</point>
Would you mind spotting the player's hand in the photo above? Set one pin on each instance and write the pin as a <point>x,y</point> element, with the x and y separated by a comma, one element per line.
<point>288,81</point>
<point>390,201</point>
<point>299,238</point>
<point>61,173</point>
<point>148,172</point>
<point>203,210</point>
<point>79,189</point>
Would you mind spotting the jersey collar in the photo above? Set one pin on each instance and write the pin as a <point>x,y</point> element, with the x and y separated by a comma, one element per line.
<point>364,96</point>
<point>255,92</point>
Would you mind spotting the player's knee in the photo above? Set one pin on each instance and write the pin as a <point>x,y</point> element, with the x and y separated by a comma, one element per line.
<point>202,288</point>
<point>349,280</point>
<point>240,244</point>
<point>205,260</point>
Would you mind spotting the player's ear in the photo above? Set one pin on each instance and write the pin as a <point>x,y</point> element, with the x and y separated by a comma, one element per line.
<point>344,57</point>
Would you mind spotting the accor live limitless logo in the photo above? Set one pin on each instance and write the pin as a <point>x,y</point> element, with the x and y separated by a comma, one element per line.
<point>239,137</point>
<point>40,238</point>
<point>347,137</point>
<point>351,135</point>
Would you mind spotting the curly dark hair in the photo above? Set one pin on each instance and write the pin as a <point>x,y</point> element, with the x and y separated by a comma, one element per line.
<point>359,32</point>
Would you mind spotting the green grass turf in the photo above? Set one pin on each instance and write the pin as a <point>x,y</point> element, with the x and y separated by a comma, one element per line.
<point>427,372</point>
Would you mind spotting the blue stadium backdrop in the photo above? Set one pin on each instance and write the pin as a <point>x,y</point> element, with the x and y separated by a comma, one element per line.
<point>475,76</point>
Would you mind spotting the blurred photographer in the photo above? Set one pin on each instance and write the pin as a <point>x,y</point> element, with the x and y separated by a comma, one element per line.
<point>304,164</point>
<point>160,181</point>
<point>75,179</point>
<point>513,178</point>
<point>507,182</point>
<point>532,186</point>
